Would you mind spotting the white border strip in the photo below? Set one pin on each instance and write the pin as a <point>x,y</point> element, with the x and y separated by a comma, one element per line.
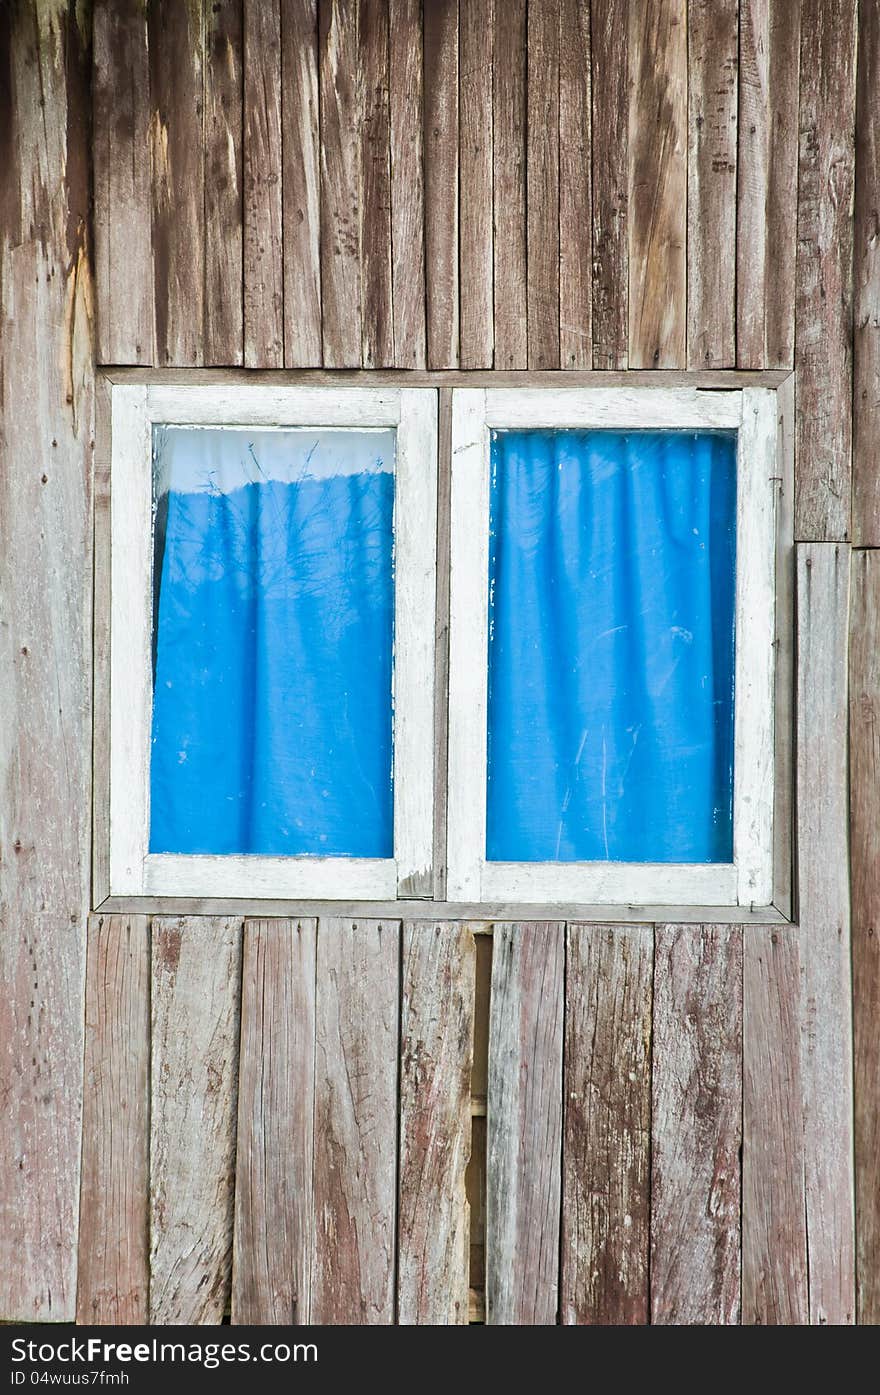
<point>131,524</point>
<point>753,764</point>
<point>617,409</point>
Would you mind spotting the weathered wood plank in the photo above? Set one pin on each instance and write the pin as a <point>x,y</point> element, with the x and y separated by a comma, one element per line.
<point>823,879</point>
<point>407,183</point>
<point>509,185</point>
<point>658,185</point>
<point>766,202</point>
<point>712,56</point>
<point>196,980</point>
<point>441,181</point>
<point>476,245</point>
<point>575,187</point>
<point>355,1170</point>
<point>113,1275</point>
<point>436,1045</point>
<point>121,123</point>
<point>775,1281</point>
<point>824,296</point>
<point>866,338</point>
<point>609,44</point>
<point>175,36</point>
<point>696,1125</point>
<point>340,118</point>
<point>524,1124</point>
<point>378,321</point>
<point>864,709</point>
<point>301,174</point>
<point>46,426</point>
<point>542,182</point>
<point>606,1174</point>
<point>263,255</point>
<point>224,332</point>
<point>274,1213</point>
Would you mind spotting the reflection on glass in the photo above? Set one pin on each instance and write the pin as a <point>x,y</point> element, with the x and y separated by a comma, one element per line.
<point>611,646</point>
<point>273,636</point>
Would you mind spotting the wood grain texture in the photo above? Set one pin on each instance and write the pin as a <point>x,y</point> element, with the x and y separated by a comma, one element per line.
<point>46,427</point>
<point>824,294</point>
<point>436,1047</point>
<point>121,175</point>
<point>826,1002</point>
<point>609,50</point>
<point>767,178</point>
<point>864,708</point>
<point>658,185</point>
<point>301,174</point>
<point>696,1125</point>
<point>378,321</point>
<point>606,1186</point>
<point>407,182</point>
<point>476,244</point>
<point>712,55</point>
<point>524,1124</point>
<point>113,1275</point>
<point>263,250</point>
<point>775,1280</point>
<point>274,1213</point>
<point>866,328</point>
<point>575,188</point>
<point>177,154</point>
<point>357,1026</point>
<point>340,121</point>
<point>441,136</point>
<point>542,182</point>
<point>196,982</point>
<point>509,185</point>
<point>224,332</point>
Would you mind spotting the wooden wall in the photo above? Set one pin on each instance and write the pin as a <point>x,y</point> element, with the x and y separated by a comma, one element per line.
<point>605,184</point>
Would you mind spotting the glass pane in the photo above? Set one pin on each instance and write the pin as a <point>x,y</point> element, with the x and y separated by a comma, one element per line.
<point>273,636</point>
<point>611,644</point>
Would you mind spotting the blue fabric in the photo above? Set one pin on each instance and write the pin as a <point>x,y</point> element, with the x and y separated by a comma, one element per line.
<point>272,724</point>
<point>611,609</point>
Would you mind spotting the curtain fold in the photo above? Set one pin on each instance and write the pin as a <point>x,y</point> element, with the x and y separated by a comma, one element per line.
<point>611,652</point>
<point>272,714</point>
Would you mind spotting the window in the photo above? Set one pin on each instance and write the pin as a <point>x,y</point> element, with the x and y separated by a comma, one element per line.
<point>617,690</point>
<point>272,656</point>
<point>612,647</point>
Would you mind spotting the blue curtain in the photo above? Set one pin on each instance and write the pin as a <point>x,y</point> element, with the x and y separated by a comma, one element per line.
<point>610,722</point>
<point>273,636</point>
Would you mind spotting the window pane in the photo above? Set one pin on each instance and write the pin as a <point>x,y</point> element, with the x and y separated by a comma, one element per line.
<point>611,642</point>
<point>273,635</point>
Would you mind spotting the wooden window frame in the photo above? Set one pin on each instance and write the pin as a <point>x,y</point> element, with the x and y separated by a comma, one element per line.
<point>413,893</point>
<point>750,879</point>
<point>134,410</point>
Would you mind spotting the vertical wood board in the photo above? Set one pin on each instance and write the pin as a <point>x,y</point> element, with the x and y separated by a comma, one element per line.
<point>436,1046</point>
<point>606,1174</point>
<point>113,1275</point>
<point>355,1169</point>
<point>524,1124</point>
<point>274,1212</point>
<point>824,913</point>
<point>196,982</point>
<point>696,1125</point>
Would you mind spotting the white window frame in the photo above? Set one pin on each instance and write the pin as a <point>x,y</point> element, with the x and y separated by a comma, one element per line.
<point>412,413</point>
<point>748,881</point>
